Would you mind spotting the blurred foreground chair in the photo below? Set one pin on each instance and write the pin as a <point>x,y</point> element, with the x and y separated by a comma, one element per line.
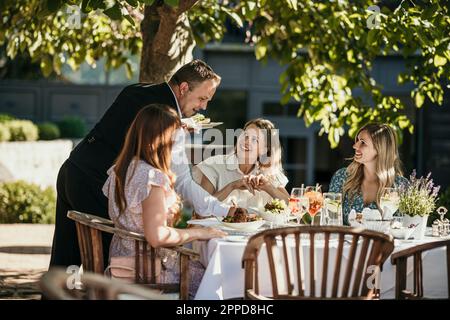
<point>400,259</point>
<point>299,247</point>
<point>89,228</point>
<point>59,285</point>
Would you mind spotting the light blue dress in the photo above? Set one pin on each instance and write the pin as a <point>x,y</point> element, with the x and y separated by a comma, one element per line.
<point>337,185</point>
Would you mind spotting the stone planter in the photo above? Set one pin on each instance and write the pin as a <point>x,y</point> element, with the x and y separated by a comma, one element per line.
<point>420,221</point>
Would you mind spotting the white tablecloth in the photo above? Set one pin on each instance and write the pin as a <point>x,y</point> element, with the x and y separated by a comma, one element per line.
<point>224,276</point>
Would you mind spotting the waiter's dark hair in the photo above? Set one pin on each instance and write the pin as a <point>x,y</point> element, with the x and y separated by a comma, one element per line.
<point>194,73</point>
<point>148,139</point>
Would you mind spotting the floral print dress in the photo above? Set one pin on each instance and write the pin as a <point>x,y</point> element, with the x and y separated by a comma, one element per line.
<point>137,189</point>
<point>337,185</point>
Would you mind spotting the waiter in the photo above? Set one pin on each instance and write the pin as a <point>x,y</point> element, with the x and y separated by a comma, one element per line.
<point>81,177</point>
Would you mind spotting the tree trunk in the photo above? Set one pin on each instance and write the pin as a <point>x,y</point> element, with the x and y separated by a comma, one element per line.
<point>167,40</point>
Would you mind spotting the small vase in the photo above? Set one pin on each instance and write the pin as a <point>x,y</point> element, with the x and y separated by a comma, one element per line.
<point>420,221</point>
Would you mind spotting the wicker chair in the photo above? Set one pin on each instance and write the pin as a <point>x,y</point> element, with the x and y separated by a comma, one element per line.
<point>54,285</point>
<point>89,229</point>
<point>367,248</point>
<point>400,259</point>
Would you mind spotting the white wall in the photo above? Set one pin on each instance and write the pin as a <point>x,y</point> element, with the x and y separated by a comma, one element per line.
<point>37,161</point>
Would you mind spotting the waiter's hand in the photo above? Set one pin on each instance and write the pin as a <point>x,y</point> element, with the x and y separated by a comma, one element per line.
<point>187,128</point>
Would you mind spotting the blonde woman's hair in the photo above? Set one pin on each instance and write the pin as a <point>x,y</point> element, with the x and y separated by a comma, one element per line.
<point>388,164</point>
<point>270,162</point>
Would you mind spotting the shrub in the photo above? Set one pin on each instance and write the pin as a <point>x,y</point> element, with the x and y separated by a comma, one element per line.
<point>22,202</point>
<point>5,135</point>
<point>22,130</point>
<point>48,131</point>
<point>6,117</point>
<point>72,127</point>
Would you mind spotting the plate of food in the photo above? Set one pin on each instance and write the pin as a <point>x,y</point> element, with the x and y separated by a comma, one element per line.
<point>241,221</point>
<point>199,121</point>
<point>275,211</point>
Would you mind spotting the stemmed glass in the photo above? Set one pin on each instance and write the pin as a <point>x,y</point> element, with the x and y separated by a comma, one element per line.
<point>298,203</point>
<point>389,202</point>
<point>314,195</point>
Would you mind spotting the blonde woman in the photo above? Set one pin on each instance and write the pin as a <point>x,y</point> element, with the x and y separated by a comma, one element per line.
<point>376,165</point>
<point>252,175</point>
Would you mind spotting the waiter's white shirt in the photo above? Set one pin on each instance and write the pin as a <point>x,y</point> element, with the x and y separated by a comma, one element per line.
<point>185,186</point>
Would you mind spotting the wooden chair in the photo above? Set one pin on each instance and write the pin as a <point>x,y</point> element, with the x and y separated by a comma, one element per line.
<point>89,229</point>
<point>54,285</point>
<point>367,248</point>
<point>400,259</point>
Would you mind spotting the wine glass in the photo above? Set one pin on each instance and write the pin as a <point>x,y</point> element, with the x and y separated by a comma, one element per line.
<point>314,195</point>
<point>298,203</point>
<point>389,202</point>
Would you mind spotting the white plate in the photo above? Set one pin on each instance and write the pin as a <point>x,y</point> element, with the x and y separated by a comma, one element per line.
<point>277,218</point>
<point>209,125</point>
<point>208,222</point>
<point>244,226</point>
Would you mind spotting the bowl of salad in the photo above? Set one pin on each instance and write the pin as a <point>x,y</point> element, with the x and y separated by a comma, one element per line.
<point>275,211</point>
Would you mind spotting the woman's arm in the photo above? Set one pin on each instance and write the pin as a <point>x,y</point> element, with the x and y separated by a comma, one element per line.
<point>279,193</point>
<point>156,231</point>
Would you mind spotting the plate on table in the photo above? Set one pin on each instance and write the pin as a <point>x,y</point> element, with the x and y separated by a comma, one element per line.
<point>244,226</point>
<point>208,222</point>
<point>276,218</point>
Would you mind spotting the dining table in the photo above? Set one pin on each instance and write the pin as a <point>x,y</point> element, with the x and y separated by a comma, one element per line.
<point>224,274</point>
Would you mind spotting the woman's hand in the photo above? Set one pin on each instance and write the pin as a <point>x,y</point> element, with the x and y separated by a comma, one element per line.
<point>259,182</point>
<point>243,184</point>
<point>206,233</point>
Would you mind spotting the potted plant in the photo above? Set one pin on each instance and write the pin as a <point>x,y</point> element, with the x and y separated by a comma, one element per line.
<point>417,201</point>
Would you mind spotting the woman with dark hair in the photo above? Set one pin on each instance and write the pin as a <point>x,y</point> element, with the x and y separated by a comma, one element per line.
<point>140,191</point>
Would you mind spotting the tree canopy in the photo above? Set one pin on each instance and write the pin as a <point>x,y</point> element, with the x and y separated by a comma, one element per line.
<point>327,47</point>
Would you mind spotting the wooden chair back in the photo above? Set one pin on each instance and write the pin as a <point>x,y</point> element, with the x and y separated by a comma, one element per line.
<point>292,254</point>
<point>400,260</point>
<point>89,228</point>
<point>57,285</point>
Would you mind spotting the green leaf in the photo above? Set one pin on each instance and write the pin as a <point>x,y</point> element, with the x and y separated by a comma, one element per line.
<point>172,3</point>
<point>260,50</point>
<point>114,12</point>
<point>46,66</point>
<point>235,17</point>
<point>372,37</point>
<point>148,2</point>
<point>292,4</point>
<point>129,19</point>
<point>350,56</point>
<point>439,61</point>
<point>419,99</point>
<point>129,70</point>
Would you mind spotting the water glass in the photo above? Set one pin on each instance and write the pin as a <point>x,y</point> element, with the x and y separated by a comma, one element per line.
<point>332,209</point>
